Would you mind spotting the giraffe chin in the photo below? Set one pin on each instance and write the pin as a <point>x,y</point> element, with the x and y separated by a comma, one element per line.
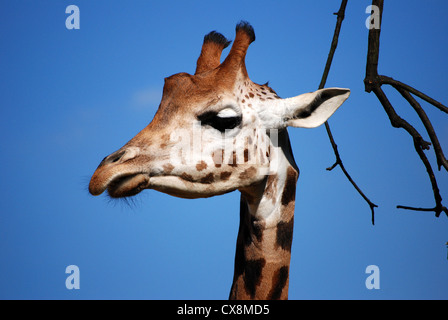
<point>127,186</point>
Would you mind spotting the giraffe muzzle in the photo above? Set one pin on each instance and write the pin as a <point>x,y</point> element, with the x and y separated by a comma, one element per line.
<point>118,175</point>
<point>118,186</point>
<point>127,186</point>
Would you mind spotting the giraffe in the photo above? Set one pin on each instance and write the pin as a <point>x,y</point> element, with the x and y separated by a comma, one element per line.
<point>243,145</point>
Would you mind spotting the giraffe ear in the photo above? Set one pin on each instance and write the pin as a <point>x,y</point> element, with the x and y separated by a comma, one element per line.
<point>312,109</point>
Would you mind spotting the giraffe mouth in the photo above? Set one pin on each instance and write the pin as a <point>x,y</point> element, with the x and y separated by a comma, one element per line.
<point>128,185</point>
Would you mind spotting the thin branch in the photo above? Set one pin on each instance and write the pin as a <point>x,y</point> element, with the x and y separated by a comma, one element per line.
<point>334,43</point>
<point>395,120</point>
<point>439,207</point>
<point>397,84</point>
<point>419,145</point>
<point>341,165</point>
<point>441,160</point>
<point>438,210</point>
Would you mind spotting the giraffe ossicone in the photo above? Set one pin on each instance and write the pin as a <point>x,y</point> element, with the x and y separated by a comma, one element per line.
<point>215,132</point>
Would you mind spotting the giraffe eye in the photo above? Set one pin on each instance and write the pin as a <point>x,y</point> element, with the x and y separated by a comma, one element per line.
<point>221,121</point>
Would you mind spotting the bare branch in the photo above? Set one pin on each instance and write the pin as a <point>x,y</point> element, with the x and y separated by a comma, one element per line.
<point>397,84</point>
<point>341,165</point>
<point>373,82</point>
<point>334,43</point>
<point>441,160</point>
<point>395,120</point>
<point>439,207</point>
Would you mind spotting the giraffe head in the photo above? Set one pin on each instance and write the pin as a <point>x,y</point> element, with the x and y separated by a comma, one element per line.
<point>214,132</point>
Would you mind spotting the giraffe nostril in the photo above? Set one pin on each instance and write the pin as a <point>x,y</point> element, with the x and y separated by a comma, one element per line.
<point>115,159</point>
<point>112,158</point>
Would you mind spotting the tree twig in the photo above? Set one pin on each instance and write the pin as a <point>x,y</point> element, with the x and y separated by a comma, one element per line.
<point>334,43</point>
<point>439,208</point>
<point>397,84</point>
<point>441,160</point>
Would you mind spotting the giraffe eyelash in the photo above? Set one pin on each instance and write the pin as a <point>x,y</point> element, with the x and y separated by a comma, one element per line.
<point>221,124</point>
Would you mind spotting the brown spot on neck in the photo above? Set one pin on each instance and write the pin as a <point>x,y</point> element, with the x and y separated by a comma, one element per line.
<point>279,283</point>
<point>252,275</point>
<point>289,191</point>
<point>284,234</point>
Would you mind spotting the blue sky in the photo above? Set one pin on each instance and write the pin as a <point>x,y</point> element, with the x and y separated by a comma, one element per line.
<point>71,97</point>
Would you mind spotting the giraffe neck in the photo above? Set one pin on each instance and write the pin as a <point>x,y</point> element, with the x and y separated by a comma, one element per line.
<point>263,251</point>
